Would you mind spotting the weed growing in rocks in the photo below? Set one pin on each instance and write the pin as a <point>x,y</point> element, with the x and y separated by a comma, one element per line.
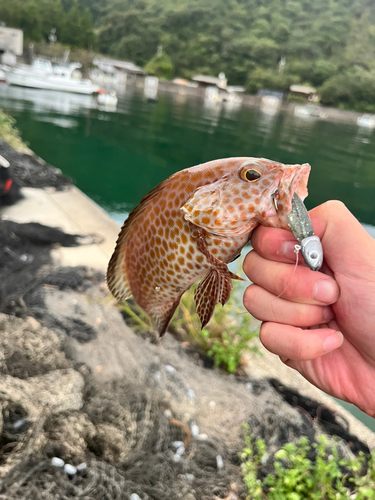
<point>304,471</point>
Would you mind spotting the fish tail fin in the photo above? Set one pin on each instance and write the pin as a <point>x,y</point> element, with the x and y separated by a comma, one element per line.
<point>214,288</point>
<point>163,315</point>
<point>116,273</point>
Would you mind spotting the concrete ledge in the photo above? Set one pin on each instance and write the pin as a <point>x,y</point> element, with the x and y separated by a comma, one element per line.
<point>75,213</point>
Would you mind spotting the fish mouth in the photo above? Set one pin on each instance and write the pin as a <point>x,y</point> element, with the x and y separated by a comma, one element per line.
<point>275,196</point>
<point>293,181</point>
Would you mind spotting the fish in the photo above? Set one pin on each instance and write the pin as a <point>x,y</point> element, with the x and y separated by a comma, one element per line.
<point>195,223</point>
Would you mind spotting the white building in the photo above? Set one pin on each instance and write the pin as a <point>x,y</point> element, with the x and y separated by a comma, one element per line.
<point>11,40</point>
<point>114,71</point>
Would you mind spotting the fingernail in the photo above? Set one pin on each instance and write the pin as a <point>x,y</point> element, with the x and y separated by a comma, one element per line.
<point>287,249</point>
<point>333,342</point>
<point>325,291</point>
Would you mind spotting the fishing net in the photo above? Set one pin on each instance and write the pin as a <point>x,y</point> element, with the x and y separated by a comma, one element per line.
<point>135,419</point>
<point>26,273</point>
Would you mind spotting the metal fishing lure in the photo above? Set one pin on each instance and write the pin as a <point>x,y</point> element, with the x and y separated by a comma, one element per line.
<point>301,227</point>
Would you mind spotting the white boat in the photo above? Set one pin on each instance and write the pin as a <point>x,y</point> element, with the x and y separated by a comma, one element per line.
<point>366,121</point>
<point>309,111</point>
<point>42,75</point>
<point>231,98</point>
<point>109,100</point>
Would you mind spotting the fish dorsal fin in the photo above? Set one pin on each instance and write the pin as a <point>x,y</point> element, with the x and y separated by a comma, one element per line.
<point>215,287</point>
<point>116,273</point>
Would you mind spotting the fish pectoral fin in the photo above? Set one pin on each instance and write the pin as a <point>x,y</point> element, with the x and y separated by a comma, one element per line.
<point>162,316</point>
<point>215,287</point>
<point>218,264</point>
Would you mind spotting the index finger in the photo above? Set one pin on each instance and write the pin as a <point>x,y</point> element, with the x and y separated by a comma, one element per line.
<point>338,230</point>
<point>275,244</point>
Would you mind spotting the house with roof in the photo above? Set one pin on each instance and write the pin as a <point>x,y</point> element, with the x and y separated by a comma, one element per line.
<point>115,71</point>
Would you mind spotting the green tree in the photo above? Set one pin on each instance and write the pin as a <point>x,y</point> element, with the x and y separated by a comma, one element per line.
<point>353,89</point>
<point>160,65</point>
<point>37,18</point>
<point>270,79</point>
<point>77,29</point>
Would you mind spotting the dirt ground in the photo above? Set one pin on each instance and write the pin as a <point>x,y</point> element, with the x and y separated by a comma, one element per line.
<point>90,410</point>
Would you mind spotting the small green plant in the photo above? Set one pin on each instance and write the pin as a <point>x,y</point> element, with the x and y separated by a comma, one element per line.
<point>227,335</point>
<point>297,476</point>
<point>228,349</point>
<point>9,132</point>
<point>225,338</point>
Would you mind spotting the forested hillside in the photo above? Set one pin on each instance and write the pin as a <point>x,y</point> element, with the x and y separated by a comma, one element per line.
<point>73,24</point>
<point>329,44</point>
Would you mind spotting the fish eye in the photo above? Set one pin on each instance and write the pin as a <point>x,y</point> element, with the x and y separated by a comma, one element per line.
<point>251,175</point>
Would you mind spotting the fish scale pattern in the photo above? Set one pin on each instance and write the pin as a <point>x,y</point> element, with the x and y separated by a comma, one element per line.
<point>157,255</point>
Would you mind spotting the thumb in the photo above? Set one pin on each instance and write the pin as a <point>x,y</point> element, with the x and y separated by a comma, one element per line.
<point>347,247</point>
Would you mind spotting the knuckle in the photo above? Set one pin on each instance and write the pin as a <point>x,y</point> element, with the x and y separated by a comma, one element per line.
<point>249,298</point>
<point>261,241</point>
<point>307,347</point>
<point>264,332</point>
<point>248,263</point>
<point>300,351</point>
<point>336,206</point>
<point>285,285</point>
<point>304,315</point>
<point>274,311</point>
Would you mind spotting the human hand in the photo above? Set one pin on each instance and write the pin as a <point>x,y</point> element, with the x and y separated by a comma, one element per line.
<point>323,323</point>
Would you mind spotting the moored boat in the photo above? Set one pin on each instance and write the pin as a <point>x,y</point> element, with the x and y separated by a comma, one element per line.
<point>106,99</point>
<point>42,75</point>
<point>366,121</point>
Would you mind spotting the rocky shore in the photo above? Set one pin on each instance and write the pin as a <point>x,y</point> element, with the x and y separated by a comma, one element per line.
<point>90,410</point>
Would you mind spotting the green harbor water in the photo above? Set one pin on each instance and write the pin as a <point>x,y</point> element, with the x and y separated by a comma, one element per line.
<point>116,157</point>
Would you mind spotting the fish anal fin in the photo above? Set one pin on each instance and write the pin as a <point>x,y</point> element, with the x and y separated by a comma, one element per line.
<point>163,315</point>
<point>215,287</point>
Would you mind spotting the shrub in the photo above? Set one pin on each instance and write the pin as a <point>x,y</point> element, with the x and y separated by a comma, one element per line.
<point>297,476</point>
<point>9,132</point>
<point>160,65</point>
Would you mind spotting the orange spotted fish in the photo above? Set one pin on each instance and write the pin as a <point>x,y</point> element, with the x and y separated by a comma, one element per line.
<point>192,225</point>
